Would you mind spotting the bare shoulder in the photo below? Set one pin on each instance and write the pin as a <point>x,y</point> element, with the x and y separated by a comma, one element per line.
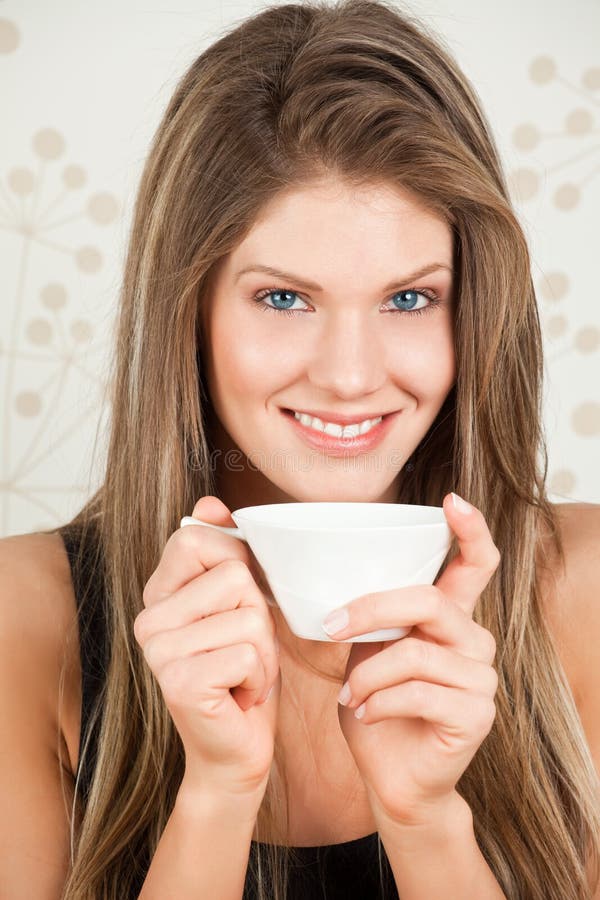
<point>572,605</point>
<point>38,639</point>
<point>39,624</point>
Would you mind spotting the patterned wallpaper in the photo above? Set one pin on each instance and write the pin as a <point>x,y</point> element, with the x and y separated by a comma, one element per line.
<point>87,84</point>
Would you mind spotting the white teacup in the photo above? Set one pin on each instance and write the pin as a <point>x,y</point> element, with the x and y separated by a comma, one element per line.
<point>318,556</point>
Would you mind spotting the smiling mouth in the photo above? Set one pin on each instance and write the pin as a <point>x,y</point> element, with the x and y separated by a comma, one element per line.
<point>334,429</point>
<point>341,440</point>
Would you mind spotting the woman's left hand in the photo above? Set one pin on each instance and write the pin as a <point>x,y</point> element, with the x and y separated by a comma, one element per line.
<point>428,698</point>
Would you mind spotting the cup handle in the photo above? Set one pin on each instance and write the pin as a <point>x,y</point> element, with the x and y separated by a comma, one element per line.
<point>234,532</point>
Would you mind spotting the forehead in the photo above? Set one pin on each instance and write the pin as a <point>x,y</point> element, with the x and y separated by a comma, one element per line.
<point>332,225</point>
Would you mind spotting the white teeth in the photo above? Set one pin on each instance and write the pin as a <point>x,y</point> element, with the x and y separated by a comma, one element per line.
<point>346,431</point>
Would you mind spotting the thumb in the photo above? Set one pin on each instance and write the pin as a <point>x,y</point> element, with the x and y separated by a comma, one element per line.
<point>212,510</point>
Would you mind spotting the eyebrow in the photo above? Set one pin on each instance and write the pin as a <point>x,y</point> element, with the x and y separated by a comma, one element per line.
<point>313,286</point>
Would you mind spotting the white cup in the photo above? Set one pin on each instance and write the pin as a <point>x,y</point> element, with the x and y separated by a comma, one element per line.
<point>318,556</point>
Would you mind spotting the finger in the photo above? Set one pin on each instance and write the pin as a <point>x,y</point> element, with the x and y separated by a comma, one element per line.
<point>190,551</point>
<point>470,571</point>
<point>461,714</point>
<point>411,659</point>
<point>204,680</point>
<point>210,602</point>
<point>425,606</point>
<point>236,627</point>
<point>213,510</point>
<point>226,586</point>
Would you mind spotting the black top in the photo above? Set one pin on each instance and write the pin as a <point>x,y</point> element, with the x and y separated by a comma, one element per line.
<point>347,871</point>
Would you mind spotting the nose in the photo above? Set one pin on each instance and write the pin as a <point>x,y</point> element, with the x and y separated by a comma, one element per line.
<point>348,360</point>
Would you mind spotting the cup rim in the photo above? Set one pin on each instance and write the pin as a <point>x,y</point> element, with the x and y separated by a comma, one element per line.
<point>239,513</point>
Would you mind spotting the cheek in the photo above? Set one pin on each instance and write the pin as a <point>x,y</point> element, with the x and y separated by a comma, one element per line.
<point>424,361</point>
<point>252,359</point>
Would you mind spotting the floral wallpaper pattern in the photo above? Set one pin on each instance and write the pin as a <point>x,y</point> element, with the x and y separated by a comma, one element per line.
<point>77,122</point>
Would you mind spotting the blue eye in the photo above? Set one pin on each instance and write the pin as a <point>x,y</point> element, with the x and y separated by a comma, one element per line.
<point>406,300</point>
<point>282,299</point>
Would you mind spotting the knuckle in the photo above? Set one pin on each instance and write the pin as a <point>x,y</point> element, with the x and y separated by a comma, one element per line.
<point>256,623</point>
<point>140,627</point>
<point>147,592</point>
<point>237,571</point>
<point>487,714</point>
<point>416,653</point>
<point>488,644</point>
<point>494,680</point>
<point>493,560</point>
<point>248,655</point>
<point>186,539</point>
<point>174,679</point>
<point>152,652</point>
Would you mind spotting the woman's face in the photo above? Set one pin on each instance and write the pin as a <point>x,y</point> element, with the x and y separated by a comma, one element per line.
<point>362,340</point>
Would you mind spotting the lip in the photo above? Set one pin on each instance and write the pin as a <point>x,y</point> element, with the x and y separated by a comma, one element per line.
<point>334,446</point>
<point>337,418</point>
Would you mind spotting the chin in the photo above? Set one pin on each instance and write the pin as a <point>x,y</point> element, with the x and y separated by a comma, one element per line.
<point>336,493</point>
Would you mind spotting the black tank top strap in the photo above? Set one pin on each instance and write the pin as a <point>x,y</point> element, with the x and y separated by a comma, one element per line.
<point>88,585</point>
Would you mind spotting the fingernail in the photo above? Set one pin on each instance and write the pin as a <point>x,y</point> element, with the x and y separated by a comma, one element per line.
<point>336,620</point>
<point>461,505</point>
<point>345,695</point>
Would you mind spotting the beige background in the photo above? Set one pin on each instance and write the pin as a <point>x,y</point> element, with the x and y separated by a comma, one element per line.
<point>83,88</point>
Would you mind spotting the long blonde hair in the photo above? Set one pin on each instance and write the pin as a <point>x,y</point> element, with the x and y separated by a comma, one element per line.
<point>359,90</point>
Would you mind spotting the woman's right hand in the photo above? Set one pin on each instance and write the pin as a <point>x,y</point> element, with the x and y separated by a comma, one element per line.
<point>209,638</point>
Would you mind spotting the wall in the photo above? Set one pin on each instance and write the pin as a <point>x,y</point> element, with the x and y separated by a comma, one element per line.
<point>83,88</point>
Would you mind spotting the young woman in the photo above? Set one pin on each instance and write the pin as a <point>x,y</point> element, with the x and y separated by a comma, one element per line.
<point>323,236</point>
